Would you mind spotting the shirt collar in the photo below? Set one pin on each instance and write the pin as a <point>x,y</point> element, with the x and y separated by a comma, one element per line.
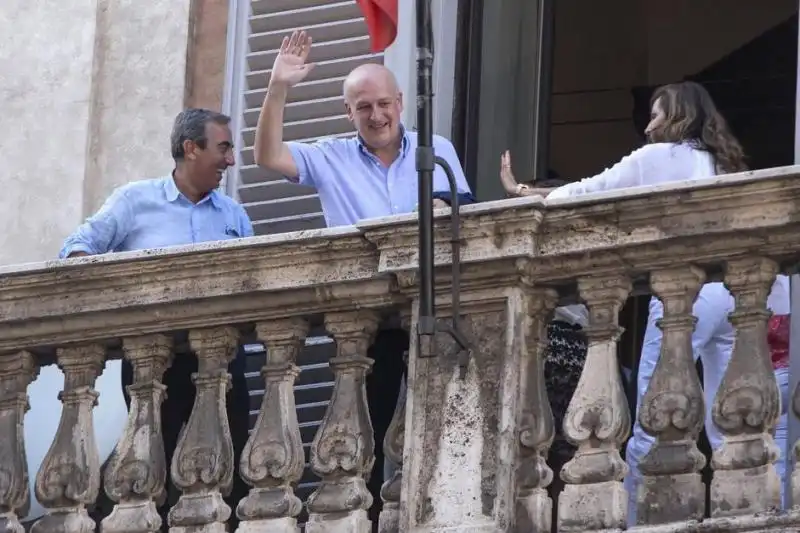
<point>404,143</point>
<point>172,193</point>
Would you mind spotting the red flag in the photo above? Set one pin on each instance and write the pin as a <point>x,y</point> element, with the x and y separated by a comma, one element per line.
<point>381,19</point>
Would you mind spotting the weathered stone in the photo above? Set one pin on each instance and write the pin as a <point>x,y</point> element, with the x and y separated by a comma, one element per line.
<point>69,477</point>
<point>536,432</point>
<point>474,453</point>
<point>673,409</point>
<point>137,470</point>
<point>202,467</point>
<point>747,405</point>
<point>597,419</point>
<point>17,370</point>
<point>273,458</point>
<point>343,451</point>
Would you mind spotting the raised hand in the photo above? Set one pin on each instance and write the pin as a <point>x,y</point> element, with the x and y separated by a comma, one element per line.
<point>290,67</point>
<point>507,176</point>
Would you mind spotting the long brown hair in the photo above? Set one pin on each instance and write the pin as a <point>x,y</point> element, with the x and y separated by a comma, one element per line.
<point>691,117</point>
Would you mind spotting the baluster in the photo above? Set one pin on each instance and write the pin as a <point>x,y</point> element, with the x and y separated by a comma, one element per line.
<point>673,409</point>
<point>747,405</point>
<point>137,470</point>
<point>393,444</point>
<point>202,467</point>
<point>537,430</point>
<point>597,419</point>
<point>69,477</point>
<point>342,453</point>
<point>17,370</point>
<point>795,501</point>
<point>273,457</point>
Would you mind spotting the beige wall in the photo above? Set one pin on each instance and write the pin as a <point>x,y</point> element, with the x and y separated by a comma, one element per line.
<point>605,48</point>
<point>89,91</point>
<point>45,90</point>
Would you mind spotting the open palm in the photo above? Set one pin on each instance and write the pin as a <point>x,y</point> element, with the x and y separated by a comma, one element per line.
<point>290,65</point>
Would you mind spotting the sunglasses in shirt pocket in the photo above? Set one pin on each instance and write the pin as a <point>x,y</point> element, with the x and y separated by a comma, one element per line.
<point>232,232</point>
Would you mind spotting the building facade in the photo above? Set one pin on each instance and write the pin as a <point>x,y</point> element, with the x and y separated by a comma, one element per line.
<point>564,87</point>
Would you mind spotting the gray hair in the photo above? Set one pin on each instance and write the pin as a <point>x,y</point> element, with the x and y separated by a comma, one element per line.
<point>190,125</point>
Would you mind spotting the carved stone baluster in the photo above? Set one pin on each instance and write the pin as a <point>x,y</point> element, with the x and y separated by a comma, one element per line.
<point>597,419</point>
<point>795,501</point>
<point>747,405</point>
<point>537,430</point>
<point>342,453</point>
<point>137,470</point>
<point>69,477</point>
<point>202,467</point>
<point>393,443</point>
<point>673,409</point>
<point>16,373</point>
<point>273,457</point>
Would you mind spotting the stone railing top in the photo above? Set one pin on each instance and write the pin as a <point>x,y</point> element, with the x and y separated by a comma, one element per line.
<point>94,298</point>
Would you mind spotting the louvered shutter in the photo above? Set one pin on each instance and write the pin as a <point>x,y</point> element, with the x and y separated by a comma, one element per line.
<point>315,108</point>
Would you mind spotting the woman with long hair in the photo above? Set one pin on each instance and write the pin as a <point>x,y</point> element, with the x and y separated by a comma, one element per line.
<point>688,139</point>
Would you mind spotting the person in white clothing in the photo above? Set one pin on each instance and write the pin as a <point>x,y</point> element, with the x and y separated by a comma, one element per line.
<point>688,139</point>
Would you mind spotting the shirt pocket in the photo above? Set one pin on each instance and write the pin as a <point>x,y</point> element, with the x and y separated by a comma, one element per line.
<point>221,227</point>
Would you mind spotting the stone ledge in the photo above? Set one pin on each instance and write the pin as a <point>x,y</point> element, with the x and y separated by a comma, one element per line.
<point>524,240</point>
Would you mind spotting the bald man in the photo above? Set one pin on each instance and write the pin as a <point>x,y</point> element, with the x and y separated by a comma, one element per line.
<point>371,175</point>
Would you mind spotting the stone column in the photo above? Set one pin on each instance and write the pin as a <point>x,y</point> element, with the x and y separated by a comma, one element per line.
<point>69,477</point>
<point>137,470</point>
<point>17,370</point>
<point>747,405</point>
<point>273,458</point>
<point>536,432</point>
<point>202,467</point>
<point>673,409</point>
<point>342,453</point>
<point>463,435</point>
<point>597,419</point>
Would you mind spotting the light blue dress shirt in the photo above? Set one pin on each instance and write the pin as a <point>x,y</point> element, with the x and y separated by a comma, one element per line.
<point>154,214</point>
<point>353,184</point>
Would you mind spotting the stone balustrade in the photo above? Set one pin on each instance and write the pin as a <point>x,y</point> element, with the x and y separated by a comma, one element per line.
<point>473,445</point>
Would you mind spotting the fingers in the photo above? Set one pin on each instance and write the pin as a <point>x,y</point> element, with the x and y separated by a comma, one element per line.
<point>293,42</point>
<point>506,175</point>
<point>505,159</point>
<point>306,48</point>
<point>298,44</point>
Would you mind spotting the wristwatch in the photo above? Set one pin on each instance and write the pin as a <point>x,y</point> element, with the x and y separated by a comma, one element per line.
<point>521,187</point>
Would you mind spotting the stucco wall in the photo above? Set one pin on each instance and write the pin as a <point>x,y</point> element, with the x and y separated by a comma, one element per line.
<point>89,91</point>
<point>45,90</point>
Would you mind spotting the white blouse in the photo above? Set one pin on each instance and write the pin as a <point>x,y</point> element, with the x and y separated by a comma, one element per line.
<point>649,165</point>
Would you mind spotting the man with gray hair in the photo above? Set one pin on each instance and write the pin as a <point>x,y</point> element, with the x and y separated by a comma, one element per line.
<point>183,207</point>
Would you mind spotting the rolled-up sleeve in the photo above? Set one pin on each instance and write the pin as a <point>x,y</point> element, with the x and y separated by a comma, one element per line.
<point>311,162</point>
<point>105,230</point>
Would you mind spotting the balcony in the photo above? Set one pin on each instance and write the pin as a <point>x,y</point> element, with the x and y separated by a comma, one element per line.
<point>472,440</point>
